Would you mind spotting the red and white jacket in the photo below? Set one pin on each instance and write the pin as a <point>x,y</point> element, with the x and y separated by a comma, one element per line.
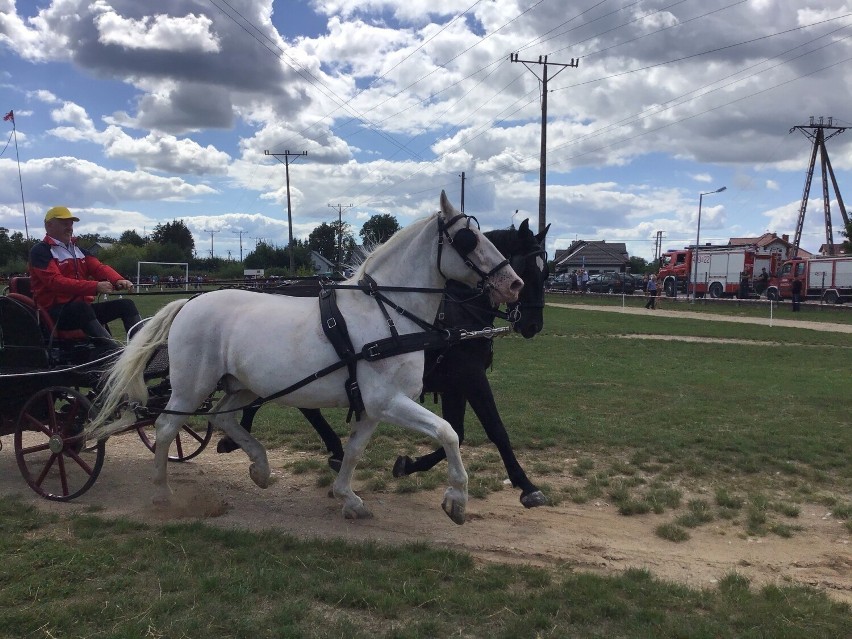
<point>60,274</point>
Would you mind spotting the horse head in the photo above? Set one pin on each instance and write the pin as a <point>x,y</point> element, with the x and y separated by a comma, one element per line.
<point>472,258</point>
<point>528,258</point>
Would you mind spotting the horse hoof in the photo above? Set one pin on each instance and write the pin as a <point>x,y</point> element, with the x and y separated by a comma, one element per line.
<point>534,499</point>
<point>357,512</point>
<point>258,477</point>
<point>161,501</point>
<point>334,463</point>
<point>400,466</point>
<point>454,510</point>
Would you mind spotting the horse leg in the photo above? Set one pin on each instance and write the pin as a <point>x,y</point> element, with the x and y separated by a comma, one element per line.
<point>313,415</point>
<point>167,427</point>
<point>332,442</point>
<point>228,445</point>
<point>227,421</point>
<point>482,402</point>
<point>405,412</point>
<point>353,505</point>
<point>453,404</point>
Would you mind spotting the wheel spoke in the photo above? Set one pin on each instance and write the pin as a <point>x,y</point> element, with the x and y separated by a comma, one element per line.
<point>40,479</point>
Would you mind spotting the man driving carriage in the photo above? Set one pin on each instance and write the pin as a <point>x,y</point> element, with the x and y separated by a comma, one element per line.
<point>66,279</point>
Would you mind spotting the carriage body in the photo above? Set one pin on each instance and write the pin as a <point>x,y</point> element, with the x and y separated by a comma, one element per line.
<point>46,392</point>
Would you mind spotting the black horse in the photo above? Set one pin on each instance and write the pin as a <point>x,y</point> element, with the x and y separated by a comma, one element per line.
<point>458,373</point>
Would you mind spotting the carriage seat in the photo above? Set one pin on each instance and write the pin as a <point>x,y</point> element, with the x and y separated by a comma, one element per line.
<point>21,290</point>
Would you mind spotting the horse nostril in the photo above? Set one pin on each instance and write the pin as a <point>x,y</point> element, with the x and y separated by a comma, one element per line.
<point>517,285</point>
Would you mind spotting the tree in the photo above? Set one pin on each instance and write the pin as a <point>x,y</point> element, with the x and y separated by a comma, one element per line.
<point>177,234</point>
<point>323,240</point>
<point>638,265</point>
<point>379,228</point>
<point>131,238</point>
<point>847,233</point>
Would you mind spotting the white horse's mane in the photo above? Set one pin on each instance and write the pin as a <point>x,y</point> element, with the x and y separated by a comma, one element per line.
<point>376,251</point>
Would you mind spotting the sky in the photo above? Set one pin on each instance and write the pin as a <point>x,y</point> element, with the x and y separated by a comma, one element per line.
<point>135,114</point>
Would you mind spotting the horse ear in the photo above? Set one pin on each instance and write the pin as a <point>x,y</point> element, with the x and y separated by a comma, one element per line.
<point>447,209</point>
<point>540,237</point>
<point>525,227</point>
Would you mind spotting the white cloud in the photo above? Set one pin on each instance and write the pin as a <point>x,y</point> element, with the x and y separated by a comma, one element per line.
<point>161,32</point>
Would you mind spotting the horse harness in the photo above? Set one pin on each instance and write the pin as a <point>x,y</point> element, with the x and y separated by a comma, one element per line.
<point>433,337</point>
<point>334,325</point>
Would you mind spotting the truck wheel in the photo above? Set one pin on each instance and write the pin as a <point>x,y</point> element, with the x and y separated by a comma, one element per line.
<point>772,294</point>
<point>669,288</point>
<point>716,290</point>
<point>831,297</point>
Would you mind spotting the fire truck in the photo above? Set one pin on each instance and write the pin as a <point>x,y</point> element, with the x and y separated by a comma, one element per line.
<point>722,270</point>
<point>828,279</point>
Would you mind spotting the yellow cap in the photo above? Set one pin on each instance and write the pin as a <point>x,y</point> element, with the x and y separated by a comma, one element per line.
<point>60,213</point>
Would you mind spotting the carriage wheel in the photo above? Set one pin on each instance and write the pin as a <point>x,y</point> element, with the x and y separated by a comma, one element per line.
<point>50,445</point>
<point>192,438</point>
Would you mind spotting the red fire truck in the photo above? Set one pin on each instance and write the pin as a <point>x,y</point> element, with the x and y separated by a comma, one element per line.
<point>828,279</point>
<point>722,270</point>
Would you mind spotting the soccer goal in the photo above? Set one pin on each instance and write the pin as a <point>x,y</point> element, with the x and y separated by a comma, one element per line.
<point>185,266</point>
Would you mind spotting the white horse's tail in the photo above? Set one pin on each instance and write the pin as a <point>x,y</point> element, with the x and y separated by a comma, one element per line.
<point>125,381</point>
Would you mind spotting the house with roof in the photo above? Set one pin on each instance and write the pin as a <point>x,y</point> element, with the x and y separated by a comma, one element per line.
<point>596,256</point>
<point>838,249</point>
<point>320,264</point>
<point>770,243</point>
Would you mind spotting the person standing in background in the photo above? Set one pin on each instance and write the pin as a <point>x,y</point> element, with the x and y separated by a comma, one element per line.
<point>652,293</point>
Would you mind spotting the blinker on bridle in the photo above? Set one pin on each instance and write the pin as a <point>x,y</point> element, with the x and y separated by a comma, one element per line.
<point>464,242</point>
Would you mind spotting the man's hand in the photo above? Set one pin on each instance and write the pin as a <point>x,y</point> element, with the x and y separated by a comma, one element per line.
<point>108,287</point>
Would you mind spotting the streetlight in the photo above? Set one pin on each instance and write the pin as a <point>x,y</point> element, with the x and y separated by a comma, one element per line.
<point>697,238</point>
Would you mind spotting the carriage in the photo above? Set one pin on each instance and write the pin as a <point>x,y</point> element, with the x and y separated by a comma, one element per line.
<point>47,382</point>
<point>230,356</point>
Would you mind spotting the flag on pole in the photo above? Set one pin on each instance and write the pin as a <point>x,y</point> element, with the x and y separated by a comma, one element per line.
<point>9,116</point>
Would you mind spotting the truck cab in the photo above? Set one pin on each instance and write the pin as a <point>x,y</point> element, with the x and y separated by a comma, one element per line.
<point>781,287</point>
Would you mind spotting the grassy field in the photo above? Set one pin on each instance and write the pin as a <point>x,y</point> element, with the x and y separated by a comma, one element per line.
<point>763,427</point>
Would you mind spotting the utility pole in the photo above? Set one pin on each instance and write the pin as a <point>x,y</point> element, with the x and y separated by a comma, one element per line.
<point>286,162</point>
<point>212,233</point>
<point>542,179</point>
<point>658,246</point>
<point>339,208</point>
<point>241,233</point>
<point>462,193</point>
<point>816,133</point>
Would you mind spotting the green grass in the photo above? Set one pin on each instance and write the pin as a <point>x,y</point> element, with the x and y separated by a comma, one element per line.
<point>757,430</point>
<point>84,576</point>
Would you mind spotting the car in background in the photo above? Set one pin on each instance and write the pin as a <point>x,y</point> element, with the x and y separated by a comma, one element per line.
<point>561,282</point>
<point>639,282</point>
<point>611,283</point>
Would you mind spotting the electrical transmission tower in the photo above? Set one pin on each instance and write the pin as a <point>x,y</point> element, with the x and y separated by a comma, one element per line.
<point>212,233</point>
<point>542,180</point>
<point>241,233</point>
<point>816,133</point>
<point>286,162</point>
<point>658,245</point>
<point>340,208</point>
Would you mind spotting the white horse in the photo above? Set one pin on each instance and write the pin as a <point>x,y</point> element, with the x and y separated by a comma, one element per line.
<point>253,345</point>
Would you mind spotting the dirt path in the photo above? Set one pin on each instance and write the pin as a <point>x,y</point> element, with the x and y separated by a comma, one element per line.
<point>593,536</point>
<point>763,321</point>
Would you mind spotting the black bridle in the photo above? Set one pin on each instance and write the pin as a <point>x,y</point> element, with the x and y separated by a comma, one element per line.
<point>464,242</point>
